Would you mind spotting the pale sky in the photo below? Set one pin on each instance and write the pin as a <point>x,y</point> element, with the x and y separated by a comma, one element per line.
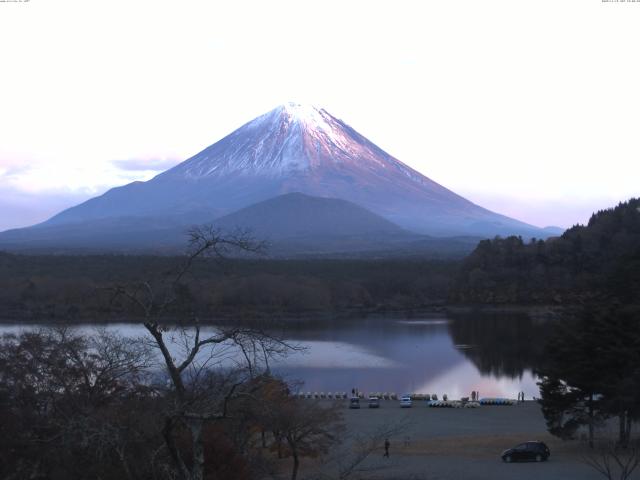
<point>529,108</point>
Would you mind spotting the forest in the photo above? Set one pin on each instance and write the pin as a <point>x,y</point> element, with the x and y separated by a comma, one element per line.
<point>585,263</point>
<point>77,288</point>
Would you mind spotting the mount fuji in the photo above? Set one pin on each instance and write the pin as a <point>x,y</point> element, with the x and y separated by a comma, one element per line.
<point>293,148</point>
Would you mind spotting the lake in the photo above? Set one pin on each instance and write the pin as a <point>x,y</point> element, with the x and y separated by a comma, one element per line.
<point>440,354</point>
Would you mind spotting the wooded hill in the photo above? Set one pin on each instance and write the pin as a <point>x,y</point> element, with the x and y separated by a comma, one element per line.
<point>50,288</point>
<point>585,263</point>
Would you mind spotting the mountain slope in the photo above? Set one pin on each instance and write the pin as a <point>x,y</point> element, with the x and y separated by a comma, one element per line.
<point>293,225</point>
<point>295,215</point>
<point>296,148</point>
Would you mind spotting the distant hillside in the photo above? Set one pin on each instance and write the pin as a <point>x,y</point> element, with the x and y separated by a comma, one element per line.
<point>295,215</point>
<point>584,263</point>
<point>292,225</point>
<point>124,235</point>
<point>75,288</point>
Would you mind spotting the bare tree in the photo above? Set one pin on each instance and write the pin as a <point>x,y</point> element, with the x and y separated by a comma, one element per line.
<point>614,461</point>
<point>351,456</point>
<point>197,396</point>
<point>309,428</point>
<point>70,404</point>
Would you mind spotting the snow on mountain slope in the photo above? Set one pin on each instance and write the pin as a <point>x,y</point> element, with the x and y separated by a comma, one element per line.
<point>293,139</point>
<point>297,148</point>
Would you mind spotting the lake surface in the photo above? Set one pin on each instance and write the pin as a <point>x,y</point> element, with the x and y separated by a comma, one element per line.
<point>439,354</point>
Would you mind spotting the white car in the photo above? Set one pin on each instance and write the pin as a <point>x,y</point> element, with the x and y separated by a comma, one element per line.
<point>405,401</point>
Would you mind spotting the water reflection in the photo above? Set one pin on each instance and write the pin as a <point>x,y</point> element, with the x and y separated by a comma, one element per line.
<point>499,345</point>
<point>452,355</point>
<point>433,354</point>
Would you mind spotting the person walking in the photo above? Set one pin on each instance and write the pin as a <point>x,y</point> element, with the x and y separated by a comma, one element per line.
<point>387,444</point>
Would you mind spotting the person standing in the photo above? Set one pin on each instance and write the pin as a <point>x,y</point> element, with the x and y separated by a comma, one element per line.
<point>387,444</point>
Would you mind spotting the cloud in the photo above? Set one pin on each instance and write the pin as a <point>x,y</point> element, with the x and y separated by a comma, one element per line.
<point>141,165</point>
<point>14,171</point>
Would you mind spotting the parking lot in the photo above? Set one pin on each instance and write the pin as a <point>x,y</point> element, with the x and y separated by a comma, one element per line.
<point>447,443</point>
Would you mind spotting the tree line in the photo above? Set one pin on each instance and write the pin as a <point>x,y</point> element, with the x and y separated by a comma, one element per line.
<point>586,262</point>
<point>63,289</point>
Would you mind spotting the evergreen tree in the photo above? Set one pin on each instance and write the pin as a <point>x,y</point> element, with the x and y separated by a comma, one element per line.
<point>592,372</point>
<point>572,379</point>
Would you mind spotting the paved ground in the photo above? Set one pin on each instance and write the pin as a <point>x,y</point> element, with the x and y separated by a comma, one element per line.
<point>458,444</point>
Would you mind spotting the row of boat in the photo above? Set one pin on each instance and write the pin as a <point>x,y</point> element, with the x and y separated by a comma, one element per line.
<point>432,400</point>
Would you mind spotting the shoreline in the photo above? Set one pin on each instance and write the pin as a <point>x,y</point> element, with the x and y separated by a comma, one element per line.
<point>310,317</point>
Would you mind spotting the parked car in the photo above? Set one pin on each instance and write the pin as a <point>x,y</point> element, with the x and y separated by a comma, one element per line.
<point>374,402</point>
<point>527,452</point>
<point>354,402</point>
<point>405,401</point>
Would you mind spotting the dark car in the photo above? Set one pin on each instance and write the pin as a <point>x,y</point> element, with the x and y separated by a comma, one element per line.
<point>374,402</point>
<point>354,402</point>
<point>527,452</point>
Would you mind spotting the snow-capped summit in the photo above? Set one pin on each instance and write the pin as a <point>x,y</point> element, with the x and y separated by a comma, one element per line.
<point>290,138</point>
<point>293,139</point>
<point>297,148</point>
<point>311,117</point>
<point>302,111</point>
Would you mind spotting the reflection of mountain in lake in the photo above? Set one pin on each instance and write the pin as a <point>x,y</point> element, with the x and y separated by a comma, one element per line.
<point>397,355</point>
<point>500,345</point>
<point>394,355</point>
